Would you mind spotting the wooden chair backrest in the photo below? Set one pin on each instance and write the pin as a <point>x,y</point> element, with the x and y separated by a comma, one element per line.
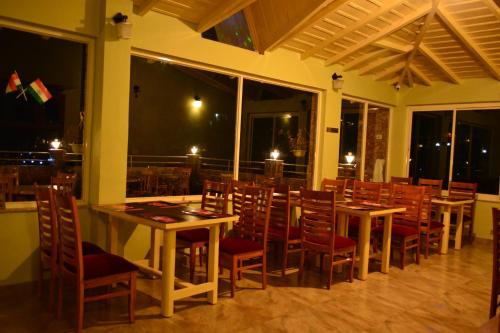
<point>462,190</point>
<point>318,220</point>
<point>65,182</point>
<point>279,223</point>
<point>496,256</point>
<point>411,198</point>
<point>266,181</point>
<point>349,186</point>
<point>402,180</point>
<point>426,210</point>
<point>184,176</point>
<point>255,214</point>
<point>237,189</point>
<point>435,184</point>
<point>366,191</point>
<point>5,188</point>
<point>336,185</point>
<point>215,196</point>
<point>47,222</point>
<point>70,239</point>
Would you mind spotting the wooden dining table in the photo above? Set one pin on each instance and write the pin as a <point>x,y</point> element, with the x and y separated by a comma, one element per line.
<point>365,212</point>
<point>169,218</point>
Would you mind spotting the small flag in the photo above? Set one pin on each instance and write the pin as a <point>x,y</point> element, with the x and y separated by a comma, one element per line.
<point>39,92</point>
<point>14,83</point>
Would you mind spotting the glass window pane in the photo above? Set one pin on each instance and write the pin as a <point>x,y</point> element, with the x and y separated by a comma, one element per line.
<point>477,157</point>
<point>27,127</point>
<point>377,133</point>
<point>431,145</point>
<point>172,109</point>
<point>351,139</point>
<point>275,117</point>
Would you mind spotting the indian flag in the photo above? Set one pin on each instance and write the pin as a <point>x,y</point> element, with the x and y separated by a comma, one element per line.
<point>39,92</point>
<point>14,83</point>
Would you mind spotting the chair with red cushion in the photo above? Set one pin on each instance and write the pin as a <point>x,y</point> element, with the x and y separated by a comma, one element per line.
<point>335,185</point>
<point>406,225</point>
<point>495,281</point>
<point>280,229</point>
<point>214,198</point>
<point>431,230</point>
<point>88,271</point>
<point>464,191</point>
<point>318,232</point>
<point>248,248</point>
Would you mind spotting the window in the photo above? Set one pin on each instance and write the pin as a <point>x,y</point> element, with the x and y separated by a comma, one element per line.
<point>469,144</point>
<point>363,144</point>
<point>27,127</point>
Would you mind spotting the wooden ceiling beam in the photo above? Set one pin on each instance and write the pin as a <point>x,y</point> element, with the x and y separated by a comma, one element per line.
<point>145,7</point>
<point>398,24</point>
<point>374,65</point>
<point>391,70</point>
<point>224,10</point>
<point>364,58</point>
<point>424,50</point>
<point>420,75</point>
<point>253,30</point>
<point>418,40</point>
<point>468,42</point>
<point>386,7</point>
<point>393,46</point>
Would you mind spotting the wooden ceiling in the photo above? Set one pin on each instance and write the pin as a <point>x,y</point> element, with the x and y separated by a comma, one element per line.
<point>401,42</point>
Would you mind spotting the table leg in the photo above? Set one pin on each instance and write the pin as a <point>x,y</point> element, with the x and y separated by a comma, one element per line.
<point>459,227</point>
<point>342,224</point>
<point>364,246</point>
<point>213,263</point>
<point>446,229</point>
<point>112,235</point>
<point>168,276</point>
<point>154,259</point>
<point>386,246</point>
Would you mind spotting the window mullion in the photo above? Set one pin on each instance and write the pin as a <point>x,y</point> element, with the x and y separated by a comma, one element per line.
<point>452,147</point>
<point>237,129</point>
<point>363,142</point>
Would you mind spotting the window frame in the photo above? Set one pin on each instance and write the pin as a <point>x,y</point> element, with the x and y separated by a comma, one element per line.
<point>455,107</point>
<point>89,43</point>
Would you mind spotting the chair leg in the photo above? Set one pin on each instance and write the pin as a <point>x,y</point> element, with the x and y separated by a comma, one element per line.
<point>132,297</point>
<point>351,272</point>
<point>330,273</point>
<point>59,298</point>
<point>201,256</point>
<point>417,259</point>
<point>285,258</point>
<point>40,280</point>
<point>264,269</point>
<point>192,262</point>
<point>52,290</point>
<point>234,269</point>
<point>493,303</point>
<point>301,264</point>
<point>427,244</point>
<point>321,257</point>
<point>79,308</point>
<point>402,250</point>
<point>240,273</point>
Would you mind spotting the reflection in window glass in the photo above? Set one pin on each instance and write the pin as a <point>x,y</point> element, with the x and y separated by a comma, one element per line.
<point>377,133</point>
<point>476,156</point>
<point>27,127</point>
<point>351,139</point>
<point>172,109</point>
<point>275,117</point>
<point>431,145</point>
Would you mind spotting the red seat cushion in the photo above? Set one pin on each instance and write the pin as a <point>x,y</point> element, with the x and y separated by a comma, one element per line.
<point>239,245</point>
<point>91,248</point>
<point>436,225</point>
<point>403,230</point>
<point>340,242</point>
<point>294,233</point>
<point>99,265</point>
<point>194,235</point>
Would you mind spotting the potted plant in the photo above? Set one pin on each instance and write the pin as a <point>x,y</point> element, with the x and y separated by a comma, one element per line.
<point>298,144</point>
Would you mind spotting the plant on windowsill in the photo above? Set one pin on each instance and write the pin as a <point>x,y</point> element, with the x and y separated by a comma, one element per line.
<point>298,144</point>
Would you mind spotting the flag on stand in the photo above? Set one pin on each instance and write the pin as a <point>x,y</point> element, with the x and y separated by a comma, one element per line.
<point>39,92</point>
<point>14,83</point>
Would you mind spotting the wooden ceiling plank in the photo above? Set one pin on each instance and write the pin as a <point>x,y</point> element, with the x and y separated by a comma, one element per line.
<point>410,79</point>
<point>361,23</point>
<point>224,10</point>
<point>467,41</point>
<point>439,63</point>
<point>387,44</point>
<point>420,75</point>
<point>359,60</point>
<point>318,13</point>
<point>253,30</point>
<point>145,7</point>
<point>423,10</point>
<point>493,7</point>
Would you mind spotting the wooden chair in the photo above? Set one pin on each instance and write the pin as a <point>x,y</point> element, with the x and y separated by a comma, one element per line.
<point>280,229</point>
<point>214,198</point>
<point>266,181</point>
<point>435,184</point>
<point>48,237</point>
<point>237,194</point>
<point>89,271</point>
<point>4,190</point>
<point>401,180</point>
<point>250,241</point>
<point>406,225</point>
<point>65,182</point>
<point>431,230</point>
<point>318,232</point>
<point>12,174</point>
<point>495,281</point>
<point>335,185</point>
<point>461,190</point>
<point>349,186</point>
<point>182,186</point>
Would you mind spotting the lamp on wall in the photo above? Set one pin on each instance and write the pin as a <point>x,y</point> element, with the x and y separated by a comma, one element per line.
<point>123,27</point>
<point>338,82</point>
<point>349,158</point>
<point>197,102</point>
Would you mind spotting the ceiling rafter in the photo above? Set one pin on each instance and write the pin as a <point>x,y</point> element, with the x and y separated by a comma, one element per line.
<point>252,29</point>
<point>388,71</point>
<point>423,10</point>
<point>387,44</point>
<point>424,50</point>
<point>420,75</point>
<point>317,14</point>
<point>378,63</point>
<point>222,12</point>
<point>418,40</point>
<point>468,42</point>
<point>380,11</point>
<point>365,57</point>
<point>145,7</point>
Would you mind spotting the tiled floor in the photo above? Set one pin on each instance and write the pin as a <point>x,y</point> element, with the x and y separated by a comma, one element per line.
<point>448,293</point>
